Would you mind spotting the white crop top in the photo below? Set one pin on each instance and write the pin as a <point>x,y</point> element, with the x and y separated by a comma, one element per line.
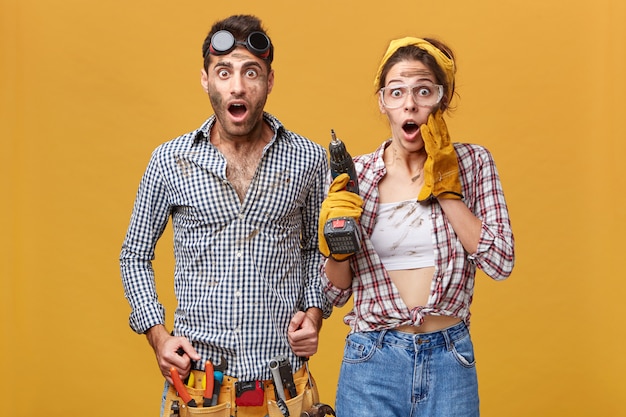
<point>402,235</point>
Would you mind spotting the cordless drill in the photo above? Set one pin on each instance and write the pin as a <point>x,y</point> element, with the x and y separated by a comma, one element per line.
<point>342,233</point>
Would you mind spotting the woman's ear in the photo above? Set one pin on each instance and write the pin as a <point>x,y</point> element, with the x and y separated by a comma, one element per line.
<point>381,106</point>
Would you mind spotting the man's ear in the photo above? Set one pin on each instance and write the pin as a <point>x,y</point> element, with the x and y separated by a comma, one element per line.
<point>204,80</point>
<point>270,81</point>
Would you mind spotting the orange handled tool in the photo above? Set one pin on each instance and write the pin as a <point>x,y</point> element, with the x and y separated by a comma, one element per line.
<point>180,388</point>
<point>208,389</point>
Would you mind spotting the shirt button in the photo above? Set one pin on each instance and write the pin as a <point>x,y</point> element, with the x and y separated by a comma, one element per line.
<point>238,254</point>
<point>241,216</point>
<point>237,293</point>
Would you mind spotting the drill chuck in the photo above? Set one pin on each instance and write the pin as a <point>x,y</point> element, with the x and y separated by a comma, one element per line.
<point>341,162</point>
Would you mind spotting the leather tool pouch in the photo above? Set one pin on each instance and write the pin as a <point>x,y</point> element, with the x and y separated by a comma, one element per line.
<point>222,409</point>
<point>307,395</point>
<point>305,398</point>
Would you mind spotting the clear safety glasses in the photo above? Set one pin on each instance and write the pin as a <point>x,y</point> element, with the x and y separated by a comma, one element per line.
<point>424,94</point>
<point>222,42</point>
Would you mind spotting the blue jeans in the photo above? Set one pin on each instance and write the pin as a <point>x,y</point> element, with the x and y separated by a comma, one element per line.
<point>165,389</point>
<point>395,374</point>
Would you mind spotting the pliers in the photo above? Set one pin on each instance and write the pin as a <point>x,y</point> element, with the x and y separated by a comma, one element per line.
<point>179,385</point>
<point>208,383</point>
<point>181,389</point>
<point>214,376</point>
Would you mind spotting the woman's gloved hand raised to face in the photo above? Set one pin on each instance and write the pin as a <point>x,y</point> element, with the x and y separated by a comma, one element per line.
<point>441,170</point>
<point>339,203</point>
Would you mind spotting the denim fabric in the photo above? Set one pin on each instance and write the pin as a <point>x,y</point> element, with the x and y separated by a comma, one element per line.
<point>165,389</point>
<point>400,374</point>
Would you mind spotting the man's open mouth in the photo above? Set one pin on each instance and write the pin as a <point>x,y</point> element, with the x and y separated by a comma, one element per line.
<point>237,110</point>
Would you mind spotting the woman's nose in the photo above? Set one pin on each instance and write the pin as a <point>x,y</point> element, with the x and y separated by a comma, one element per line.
<point>409,103</point>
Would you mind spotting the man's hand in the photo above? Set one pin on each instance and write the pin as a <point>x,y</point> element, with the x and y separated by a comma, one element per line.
<point>304,330</point>
<point>166,349</point>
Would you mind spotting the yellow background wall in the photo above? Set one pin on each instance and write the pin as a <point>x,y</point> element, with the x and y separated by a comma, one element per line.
<point>89,88</point>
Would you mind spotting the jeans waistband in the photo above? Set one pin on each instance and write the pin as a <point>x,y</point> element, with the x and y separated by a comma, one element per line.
<point>420,341</point>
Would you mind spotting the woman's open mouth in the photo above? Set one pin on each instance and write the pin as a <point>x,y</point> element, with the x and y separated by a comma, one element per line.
<point>410,128</point>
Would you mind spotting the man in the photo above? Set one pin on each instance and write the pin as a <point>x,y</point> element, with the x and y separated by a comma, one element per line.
<point>244,194</point>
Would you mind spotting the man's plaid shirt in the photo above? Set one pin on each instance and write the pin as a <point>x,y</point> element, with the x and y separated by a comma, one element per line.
<point>242,268</point>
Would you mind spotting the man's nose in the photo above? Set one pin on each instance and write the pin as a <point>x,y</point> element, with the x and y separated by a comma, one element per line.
<point>237,84</point>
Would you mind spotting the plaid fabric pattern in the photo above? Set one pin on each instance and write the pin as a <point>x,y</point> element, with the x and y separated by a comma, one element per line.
<point>377,304</point>
<point>242,268</point>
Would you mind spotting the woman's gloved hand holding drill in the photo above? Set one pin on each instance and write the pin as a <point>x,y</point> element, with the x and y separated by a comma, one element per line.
<point>339,203</point>
<point>441,170</point>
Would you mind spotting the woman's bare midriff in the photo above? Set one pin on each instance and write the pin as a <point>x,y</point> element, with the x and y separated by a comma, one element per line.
<point>414,288</point>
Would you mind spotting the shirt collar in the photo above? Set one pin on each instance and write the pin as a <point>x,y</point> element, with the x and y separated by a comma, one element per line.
<point>379,161</point>
<point>203,132</point>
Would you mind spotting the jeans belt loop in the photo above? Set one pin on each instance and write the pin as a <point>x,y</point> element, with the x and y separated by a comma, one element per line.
<point>381,337</point>
<point>446,337</point>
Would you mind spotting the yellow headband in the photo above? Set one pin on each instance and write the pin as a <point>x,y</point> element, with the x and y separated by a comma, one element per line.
<point>442,60</point>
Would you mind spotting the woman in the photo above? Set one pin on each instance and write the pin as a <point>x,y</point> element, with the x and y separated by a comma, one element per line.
<point>409,352</point>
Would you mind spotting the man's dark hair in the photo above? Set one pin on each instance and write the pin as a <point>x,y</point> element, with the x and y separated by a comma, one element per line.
<point>240,26</point>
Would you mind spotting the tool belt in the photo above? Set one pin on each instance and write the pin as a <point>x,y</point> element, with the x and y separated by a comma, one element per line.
<point>228,405</point>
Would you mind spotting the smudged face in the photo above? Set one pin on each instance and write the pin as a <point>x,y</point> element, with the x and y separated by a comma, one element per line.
<point>238,85</point>
<point>406,119</point>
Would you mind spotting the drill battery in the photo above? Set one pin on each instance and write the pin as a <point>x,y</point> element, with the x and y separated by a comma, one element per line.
<point>342,235</point>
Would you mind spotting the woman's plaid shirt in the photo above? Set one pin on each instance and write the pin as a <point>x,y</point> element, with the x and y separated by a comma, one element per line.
<point>377,304</point>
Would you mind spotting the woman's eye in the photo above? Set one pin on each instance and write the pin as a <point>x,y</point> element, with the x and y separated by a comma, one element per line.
<point>423,91</point>
<point>396,93</point>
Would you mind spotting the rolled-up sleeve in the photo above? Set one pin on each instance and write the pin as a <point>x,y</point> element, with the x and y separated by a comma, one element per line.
<point>337,296</point>
<point>147,223</point>
<point>495,255</point>
<point>313,292</point>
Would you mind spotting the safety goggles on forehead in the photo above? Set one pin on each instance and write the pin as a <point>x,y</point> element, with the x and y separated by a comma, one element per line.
<point>222,42</point>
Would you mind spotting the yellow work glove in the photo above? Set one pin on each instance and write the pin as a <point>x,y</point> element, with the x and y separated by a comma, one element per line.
<point>441,170</point>
<point>339,203</point>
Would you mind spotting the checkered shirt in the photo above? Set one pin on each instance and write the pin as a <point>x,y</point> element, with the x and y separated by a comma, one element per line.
<point>242,269</point>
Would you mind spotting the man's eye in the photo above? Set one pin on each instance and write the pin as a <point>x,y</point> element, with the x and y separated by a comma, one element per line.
<point>223,73</point>
<point>251,73</point>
